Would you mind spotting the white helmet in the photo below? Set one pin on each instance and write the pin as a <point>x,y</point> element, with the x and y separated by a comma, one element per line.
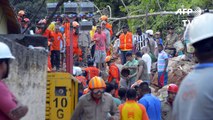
<point>201,28</point>
<point>150,32</point>
<point>5,52</point>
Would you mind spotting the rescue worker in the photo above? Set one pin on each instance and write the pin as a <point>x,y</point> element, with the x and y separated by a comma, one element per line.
<point>91,71</point>
<point>55,53</point>
<point>194,98</point>
<point>75,38</point>
<point>150,102</point>
<point>171,38</point>
<point>114,73</point>
<point>126,43</point>
<point>96,105</point>
<point>131,110</point>
<point>20,16</point>
<point>10,107</point>
<point>50,37</point>
<point>92,33</point>
<point>108,25</point>
<point>166,106</point>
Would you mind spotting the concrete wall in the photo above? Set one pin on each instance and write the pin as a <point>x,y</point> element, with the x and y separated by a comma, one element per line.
<point>27,79</point>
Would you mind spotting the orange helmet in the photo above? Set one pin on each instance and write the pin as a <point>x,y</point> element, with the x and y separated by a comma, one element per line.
<point>137,83</point>
<point>173,88</point>
<point>86,90</point>
<point>75,24</point>
<point>21,13</point>
<point>96,83</point>
<point>108,58</point>
<point>104,17</point>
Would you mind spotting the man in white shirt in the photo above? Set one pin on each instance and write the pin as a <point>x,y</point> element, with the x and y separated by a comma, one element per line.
<point>147,59</point>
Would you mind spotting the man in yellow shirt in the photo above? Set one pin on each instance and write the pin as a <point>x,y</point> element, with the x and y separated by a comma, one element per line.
<point>131,110</point>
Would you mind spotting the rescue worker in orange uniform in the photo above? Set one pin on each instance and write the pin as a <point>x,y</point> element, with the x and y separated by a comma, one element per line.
<point>75,35</point>
<point>114,73</point>
<point>131,110</point>
<point>108,25</point>
<point>166,106</point>
<point>50,37</point>
<point>91,71</point>
<point>96,105</point>
<point>55,53</point>
<point>126,43</point>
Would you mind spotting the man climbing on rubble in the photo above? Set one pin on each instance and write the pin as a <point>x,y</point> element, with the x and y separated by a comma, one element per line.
<point>166,106</point>
<point>10,107</point>
<point>96,105</point>
<point>194,98</point>
<point>131,110</point>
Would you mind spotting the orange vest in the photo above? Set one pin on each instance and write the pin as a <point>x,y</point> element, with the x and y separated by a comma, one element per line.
<point>126,41</point>
<point>114,73</point>
<point>91,72</point>
<point>109,27</point>
<point>75,40</point>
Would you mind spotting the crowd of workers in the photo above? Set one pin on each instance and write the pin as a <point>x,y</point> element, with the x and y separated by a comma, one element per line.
<point>116,71</point>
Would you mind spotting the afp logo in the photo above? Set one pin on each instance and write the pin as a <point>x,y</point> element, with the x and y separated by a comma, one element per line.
<point>195,12</point>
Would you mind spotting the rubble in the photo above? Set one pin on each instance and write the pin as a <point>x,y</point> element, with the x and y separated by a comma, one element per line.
<point>178,69</point>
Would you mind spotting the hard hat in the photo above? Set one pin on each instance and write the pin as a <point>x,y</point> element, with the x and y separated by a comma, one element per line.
<point>96,83</point>
<point>108,58</point>
<point>75,24</point>
<point>21,12</point>
<point>26,20</point>
<point>42,21</point>
<point>5,52</point>
<point>201,28</point>
<point>172,88</point>
<point>137,83</point>
<point>150,32</point>
<point>104,17</point>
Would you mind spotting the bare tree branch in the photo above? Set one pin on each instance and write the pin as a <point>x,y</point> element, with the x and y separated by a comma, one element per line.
<point>125,7</point>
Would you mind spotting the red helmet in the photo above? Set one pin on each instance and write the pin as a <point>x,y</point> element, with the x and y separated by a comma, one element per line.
<point>173,88</point>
